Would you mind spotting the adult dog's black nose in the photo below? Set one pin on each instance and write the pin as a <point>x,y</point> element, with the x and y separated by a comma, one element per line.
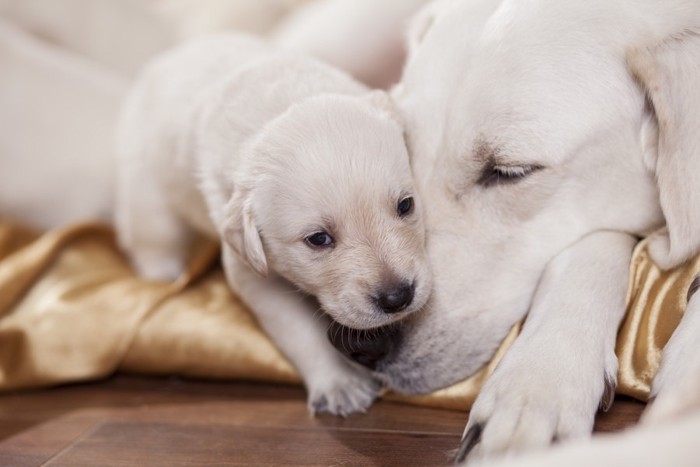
<point>365,346</point>
<point>396,297</point>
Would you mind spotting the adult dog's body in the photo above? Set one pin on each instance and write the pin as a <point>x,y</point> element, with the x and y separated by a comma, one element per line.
<point>546,136</point>
<point>304,177</point>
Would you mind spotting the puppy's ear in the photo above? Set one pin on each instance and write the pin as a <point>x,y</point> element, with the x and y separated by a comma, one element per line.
<point>241,234</point>
<point>670,75</point>
<point>381,100</point>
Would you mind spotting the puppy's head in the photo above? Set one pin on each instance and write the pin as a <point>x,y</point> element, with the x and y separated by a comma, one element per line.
<point>327,201</point>
<point>530,128</point>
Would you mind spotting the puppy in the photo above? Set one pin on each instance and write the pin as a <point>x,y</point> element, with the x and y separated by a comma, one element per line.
<point>304,177</point>
<point>546,137</point>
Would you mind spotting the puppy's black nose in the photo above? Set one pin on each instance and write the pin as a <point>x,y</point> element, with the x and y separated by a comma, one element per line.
<point>396,297</point>
<point>365,346</point>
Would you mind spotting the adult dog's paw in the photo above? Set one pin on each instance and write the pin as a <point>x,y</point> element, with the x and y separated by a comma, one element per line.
<point>343,391</point>
<point>528,403</point>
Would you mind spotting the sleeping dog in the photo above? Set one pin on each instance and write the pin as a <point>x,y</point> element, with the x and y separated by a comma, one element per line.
<point>546,137</point>
<point>302,174</point>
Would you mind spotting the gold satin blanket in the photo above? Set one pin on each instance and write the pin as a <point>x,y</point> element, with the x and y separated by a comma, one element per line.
<point>72,310</point>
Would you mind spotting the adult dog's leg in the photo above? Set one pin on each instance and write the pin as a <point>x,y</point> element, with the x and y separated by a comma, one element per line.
<point>563,366</point>
<point>294,323</point>
<point>676,387</point>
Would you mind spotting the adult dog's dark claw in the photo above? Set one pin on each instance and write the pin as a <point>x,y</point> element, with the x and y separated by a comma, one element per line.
<point>470,440</point>
<point>608,394</point>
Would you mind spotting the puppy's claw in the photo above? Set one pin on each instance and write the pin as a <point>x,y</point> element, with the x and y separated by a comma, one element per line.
<point>469,442</point>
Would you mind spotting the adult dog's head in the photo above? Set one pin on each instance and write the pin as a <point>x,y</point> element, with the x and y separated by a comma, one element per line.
<point>532,124</point>
<point>326,199</point>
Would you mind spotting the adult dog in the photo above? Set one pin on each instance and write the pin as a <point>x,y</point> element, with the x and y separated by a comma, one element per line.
<point>304,177</point>
<point>546,137</point>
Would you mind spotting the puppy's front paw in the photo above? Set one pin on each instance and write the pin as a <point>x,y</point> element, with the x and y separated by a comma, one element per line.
<point>529,403</point>
<point>343,391</point>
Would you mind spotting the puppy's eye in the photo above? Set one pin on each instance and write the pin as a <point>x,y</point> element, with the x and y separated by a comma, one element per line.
<point>319,240</point>
<point>495,174</point>
<point>405,206</point>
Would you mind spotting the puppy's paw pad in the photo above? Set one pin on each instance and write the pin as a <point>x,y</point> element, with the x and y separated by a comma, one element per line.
<point>343,396</point>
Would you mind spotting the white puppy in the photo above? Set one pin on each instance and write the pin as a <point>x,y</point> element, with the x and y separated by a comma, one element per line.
<point>545,137</point>
<point>305,178</point>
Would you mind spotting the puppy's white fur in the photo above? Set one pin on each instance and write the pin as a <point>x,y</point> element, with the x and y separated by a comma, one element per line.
<point>545,136</point>
<point>230,138</point>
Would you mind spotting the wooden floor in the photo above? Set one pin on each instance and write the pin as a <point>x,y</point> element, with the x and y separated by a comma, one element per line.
<point>129,421</point>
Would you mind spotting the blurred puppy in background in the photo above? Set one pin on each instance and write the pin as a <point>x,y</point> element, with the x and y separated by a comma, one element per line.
<point>52,61</point>
<point>363,37</point>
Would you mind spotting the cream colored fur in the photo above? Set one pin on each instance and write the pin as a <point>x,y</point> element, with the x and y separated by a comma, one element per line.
<point>545,137</point>
<point>230,138</point>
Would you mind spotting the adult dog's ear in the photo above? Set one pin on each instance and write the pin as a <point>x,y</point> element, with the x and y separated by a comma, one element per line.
<point>241,234</point>
<point>670,75</point>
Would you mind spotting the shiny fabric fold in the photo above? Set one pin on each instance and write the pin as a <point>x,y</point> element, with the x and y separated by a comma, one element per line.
<point>71,310</point>
<point>656,301</point>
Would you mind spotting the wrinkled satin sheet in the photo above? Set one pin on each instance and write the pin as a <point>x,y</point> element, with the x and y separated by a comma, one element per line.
<point>71,309</point>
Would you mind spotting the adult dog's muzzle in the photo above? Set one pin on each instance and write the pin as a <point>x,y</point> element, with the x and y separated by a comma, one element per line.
<point>364,346</point>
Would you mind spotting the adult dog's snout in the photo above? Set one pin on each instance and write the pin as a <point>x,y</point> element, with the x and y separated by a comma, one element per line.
<point>364,346</point>
<point>396,297</point>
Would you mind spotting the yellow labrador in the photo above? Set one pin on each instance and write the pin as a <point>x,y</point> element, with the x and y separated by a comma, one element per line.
<point>546,136</point>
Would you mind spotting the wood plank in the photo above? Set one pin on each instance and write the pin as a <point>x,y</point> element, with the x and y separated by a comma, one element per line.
<point>205,421</point>
<point>70,424</point>
<point>41,443</point>
<point>624,412</point>
<point>164,444</point>
<point>280,404</point>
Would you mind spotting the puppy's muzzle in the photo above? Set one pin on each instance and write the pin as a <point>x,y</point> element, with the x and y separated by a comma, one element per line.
<point>364,346</point>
